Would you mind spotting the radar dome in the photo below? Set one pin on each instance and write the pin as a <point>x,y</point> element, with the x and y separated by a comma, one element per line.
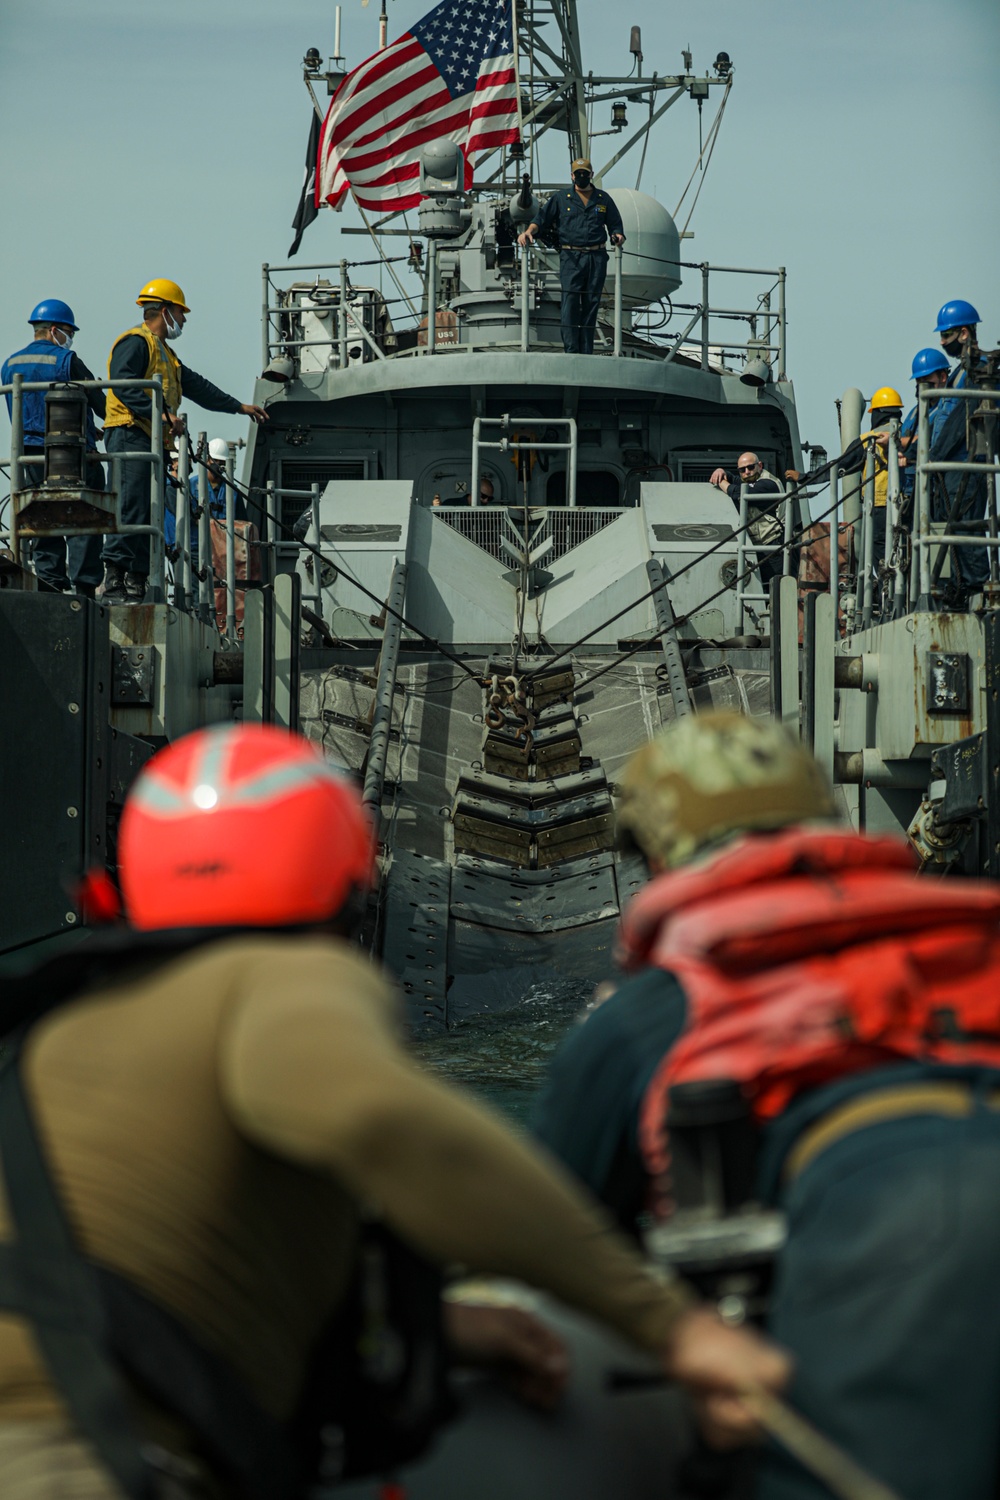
<point>650,259</point>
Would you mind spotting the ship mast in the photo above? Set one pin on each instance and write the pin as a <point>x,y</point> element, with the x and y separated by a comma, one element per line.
<point>536,13</point>
<point>558,94</point>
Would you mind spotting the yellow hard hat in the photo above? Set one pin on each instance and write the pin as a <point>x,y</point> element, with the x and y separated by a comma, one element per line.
<point>162,290</point>
<point>886,397</point>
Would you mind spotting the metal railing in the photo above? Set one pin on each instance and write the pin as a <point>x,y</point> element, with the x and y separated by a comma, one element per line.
<point>906,575</point>
<point>19,461</point>
<point>536,277</point>
<point>508,444</point>
<point>750,553</point>
<point>184,572</point>
<point>925,540</point>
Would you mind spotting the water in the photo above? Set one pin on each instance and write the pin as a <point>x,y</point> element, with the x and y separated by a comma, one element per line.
<point>503,1058</point>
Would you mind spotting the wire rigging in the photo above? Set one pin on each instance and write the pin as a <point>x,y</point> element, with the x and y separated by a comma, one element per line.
<point>251,495</point>
<point>623,656</point>
<point>709,146</point>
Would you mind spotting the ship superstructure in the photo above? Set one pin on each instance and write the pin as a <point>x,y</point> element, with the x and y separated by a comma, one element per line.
<point>494,780</point>
<point>490,569</point>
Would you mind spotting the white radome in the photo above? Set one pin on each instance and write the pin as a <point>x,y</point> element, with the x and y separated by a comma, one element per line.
<point>650,268</point>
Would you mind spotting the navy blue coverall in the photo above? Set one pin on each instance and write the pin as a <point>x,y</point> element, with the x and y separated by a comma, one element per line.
<point>583,229</point>
<point>886,1289</point>
<point>58,560</point>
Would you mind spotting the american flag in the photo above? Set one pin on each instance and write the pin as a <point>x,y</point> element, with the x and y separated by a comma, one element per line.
<point>451,77</point>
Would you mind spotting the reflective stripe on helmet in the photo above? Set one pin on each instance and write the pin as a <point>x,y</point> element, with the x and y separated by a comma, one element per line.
<point>210,772</point>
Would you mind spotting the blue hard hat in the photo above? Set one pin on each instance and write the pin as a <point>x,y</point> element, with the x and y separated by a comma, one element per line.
<point>926,361</point>
<point>54,311</point>
<point>957,314</point>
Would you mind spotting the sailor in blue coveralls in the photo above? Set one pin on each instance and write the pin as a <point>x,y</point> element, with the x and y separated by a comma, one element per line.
<point>60,562</point>
<point>586,217</point>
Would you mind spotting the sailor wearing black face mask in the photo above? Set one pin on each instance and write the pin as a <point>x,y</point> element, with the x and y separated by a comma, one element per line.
<point>586,217</point>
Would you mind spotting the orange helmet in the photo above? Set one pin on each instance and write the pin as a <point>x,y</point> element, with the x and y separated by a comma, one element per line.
<point>241,826</point>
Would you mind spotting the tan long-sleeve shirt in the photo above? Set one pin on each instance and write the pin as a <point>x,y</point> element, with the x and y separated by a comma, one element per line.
<point>214,1124</point>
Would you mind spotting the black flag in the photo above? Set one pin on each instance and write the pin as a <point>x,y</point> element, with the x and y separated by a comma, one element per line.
<point>307,210</point>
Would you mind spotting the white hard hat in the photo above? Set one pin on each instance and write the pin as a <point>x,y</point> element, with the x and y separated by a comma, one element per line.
<point>218,448</point>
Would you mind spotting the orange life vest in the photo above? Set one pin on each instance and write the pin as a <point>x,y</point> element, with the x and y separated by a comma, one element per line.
<point>809,955</point>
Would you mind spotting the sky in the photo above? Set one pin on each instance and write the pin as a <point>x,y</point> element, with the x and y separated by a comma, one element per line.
<point>858,150</point>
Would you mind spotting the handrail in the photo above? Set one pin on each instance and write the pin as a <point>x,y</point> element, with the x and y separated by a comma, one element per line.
<point>924,539</point>
<point>153,456</point>
<point>913,588</point>
<point>770,342</point>
<point>506,446</point>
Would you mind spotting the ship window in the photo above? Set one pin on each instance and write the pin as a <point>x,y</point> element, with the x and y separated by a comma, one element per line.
<point>593,487</point>
<point>301,474</point>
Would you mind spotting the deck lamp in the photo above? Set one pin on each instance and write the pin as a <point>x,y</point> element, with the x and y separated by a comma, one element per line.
<point>618,115</point>
<point>280,369</point>
<point>757,373</point>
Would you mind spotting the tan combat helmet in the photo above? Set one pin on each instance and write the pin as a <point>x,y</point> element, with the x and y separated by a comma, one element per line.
<point>710,776</point>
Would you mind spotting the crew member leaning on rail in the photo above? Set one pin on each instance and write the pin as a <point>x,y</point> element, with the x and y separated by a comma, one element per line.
<point>219,1092</point>
<point>853,1005</point>
<point>586,217</point>
<point>140,353</point>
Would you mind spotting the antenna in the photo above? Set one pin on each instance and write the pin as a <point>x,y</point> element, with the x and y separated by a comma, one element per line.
<point>635,47</point>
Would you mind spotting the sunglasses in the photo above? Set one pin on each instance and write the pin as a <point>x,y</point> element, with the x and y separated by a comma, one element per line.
<point>745,468</point>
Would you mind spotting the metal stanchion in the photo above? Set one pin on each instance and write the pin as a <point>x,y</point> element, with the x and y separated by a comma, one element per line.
<point>205,600</point>
<point>16,426</point>
<point>474,490</point>
<point>868,537</point>
<point>834,568</point>
<point>182,569</point>
<point>922,517</point>
<point>230,550</point>
<point>343,315</point>
<point>431,294</point>
<point>316,541</point>
<point>157,488</point>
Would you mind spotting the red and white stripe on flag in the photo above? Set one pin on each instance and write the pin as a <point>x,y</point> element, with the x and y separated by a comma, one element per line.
<point>451,77</point>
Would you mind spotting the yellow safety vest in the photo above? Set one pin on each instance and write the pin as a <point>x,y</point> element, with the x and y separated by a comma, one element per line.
<point>162,361</point>
<point>881,466</point>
